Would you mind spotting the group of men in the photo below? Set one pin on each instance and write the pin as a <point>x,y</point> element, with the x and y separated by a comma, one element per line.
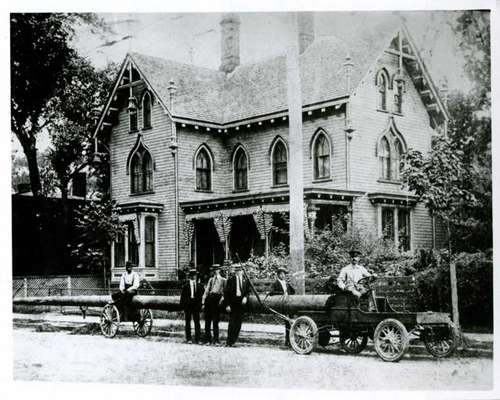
<point>232,294</point>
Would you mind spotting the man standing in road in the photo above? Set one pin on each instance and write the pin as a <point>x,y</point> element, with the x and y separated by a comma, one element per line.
<point>351,274</point>
<point>191,295</point>
<point>281,287</point>
<point>236,297</point>
<point>210,304</point>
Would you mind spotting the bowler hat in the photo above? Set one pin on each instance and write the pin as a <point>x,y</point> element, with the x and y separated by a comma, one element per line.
<point>215,267</point>
<point>193,271</point>
<point>237,267</point>
<point>282,269</point>
<point>354,252</point>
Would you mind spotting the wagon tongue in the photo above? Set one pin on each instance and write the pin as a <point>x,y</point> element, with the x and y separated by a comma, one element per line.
<point>433,318</point>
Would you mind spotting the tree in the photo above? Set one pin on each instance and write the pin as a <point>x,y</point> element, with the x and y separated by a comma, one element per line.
<point>97,224</point>
<point>73,123</point>
<point>40,54</point>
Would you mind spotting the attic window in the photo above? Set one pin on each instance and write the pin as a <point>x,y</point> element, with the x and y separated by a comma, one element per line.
<point>382,92</point>
<point>146,111</point>
<point>132,114</point>
<point>398,98</point>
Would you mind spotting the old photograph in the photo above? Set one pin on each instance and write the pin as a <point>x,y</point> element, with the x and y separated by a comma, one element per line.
<point>283,199</point>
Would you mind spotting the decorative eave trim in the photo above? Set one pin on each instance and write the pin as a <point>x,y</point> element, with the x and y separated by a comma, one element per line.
<point>337,103</point>
<point>264,199</point>
<point>425,72</point>
<point>139,206</point>
<point>117,86</point>
<point>393,199</point>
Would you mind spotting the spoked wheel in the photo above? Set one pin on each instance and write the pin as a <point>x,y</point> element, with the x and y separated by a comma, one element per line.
<point>143,325</point>
<point>444,347</point>
<point>110,320</point>
<point>352,342</point>
<point>391,340</point>
<point>303,335</point>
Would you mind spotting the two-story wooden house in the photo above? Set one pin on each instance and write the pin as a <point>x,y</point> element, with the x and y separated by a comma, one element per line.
<point>199,157</point>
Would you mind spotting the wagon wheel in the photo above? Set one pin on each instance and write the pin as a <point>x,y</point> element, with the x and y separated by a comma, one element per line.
<point>444,347</point>
<point>324,337</point>
<point>110,320</point>
<point>303,335</point>
<point>391,339</point>
<point>143,326</point>
<point>352,342</point>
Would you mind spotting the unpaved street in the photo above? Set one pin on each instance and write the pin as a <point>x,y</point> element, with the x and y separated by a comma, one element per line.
<point>59,356</point>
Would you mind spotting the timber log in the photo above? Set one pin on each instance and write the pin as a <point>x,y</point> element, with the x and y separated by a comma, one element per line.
<point>285,305</point>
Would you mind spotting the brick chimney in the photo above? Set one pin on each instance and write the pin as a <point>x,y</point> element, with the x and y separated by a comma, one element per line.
<point>305,21</point>
<point>230,42</point>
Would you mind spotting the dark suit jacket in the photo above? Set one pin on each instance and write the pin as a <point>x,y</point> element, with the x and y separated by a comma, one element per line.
<point>230,290</point>
<point>187,303</point>
<point>277,289</point>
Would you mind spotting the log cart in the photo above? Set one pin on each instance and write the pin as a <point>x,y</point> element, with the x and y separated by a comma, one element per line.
<point>113,314</point>
<point>344,319</point>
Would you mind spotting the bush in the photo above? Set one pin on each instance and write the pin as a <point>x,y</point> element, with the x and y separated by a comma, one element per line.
<point>474,282</point>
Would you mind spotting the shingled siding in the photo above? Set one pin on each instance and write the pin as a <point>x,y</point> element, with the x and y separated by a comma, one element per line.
<point>369,123</point>
<point>157,140</point>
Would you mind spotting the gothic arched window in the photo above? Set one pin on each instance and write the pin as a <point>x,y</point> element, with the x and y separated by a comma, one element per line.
<point>321,157</point>
<point>203,170</point>
<point>240,170</point>
<point>280,164</point>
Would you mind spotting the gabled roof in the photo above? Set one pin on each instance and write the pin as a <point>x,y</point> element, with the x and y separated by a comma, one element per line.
<point>260,88</point>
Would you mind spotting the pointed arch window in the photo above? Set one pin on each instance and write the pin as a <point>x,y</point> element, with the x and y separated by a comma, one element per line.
<point>398,98</point>
<point>385,159</point>
<point>203,170</point>
<point>382,91</point>
<point>146,111</point>
<point>132,114</point>
<point>321,157</point>
<point>280,164</point>
<point>141,171</point>
<point>391,147</point>
<point>240,170</point>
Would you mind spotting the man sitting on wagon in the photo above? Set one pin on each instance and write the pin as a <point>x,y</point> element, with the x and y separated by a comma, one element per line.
<point>350,276</point>
<point>129,284</point>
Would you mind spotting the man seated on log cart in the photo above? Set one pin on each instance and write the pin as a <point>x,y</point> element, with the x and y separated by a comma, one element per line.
<point>350,277</point>
<point>282,288</point>
<point>129,284</point>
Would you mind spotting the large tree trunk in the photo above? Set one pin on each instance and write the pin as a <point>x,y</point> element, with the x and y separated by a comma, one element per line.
<point>29,146</point>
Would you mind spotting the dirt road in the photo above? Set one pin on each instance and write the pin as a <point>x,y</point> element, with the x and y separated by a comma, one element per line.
<point>59,356</point>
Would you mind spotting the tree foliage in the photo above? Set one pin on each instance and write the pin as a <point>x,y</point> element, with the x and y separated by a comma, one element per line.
<point>97,225</point>
<point>40,55</point>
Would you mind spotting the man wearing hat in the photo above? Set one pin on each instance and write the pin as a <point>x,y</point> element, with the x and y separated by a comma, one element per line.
<point>129,284</point>
<point>281,287</point>
<point>235,296</point>
<point>191,296</point>
<point>351,274</point>
<point>210,304</point>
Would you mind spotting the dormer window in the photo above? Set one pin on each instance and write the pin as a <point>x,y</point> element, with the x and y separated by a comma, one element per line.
<point>146,111</point>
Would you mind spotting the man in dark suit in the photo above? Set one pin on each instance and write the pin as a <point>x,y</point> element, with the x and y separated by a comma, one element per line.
<point>281,287</point>
<point>191,296</point>
<point>236,297</point>
<point>210,303</point>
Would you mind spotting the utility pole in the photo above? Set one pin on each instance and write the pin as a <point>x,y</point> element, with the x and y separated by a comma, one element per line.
<point>295,175</point>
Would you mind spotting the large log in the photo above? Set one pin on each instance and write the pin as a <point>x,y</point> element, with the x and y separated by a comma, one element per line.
<point>285,305</point>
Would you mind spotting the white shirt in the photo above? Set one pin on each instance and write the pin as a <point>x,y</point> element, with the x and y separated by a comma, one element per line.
<point>350,275</point>
<point>193,288</point>
<point>131,280</point>
<point>283,285</point>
